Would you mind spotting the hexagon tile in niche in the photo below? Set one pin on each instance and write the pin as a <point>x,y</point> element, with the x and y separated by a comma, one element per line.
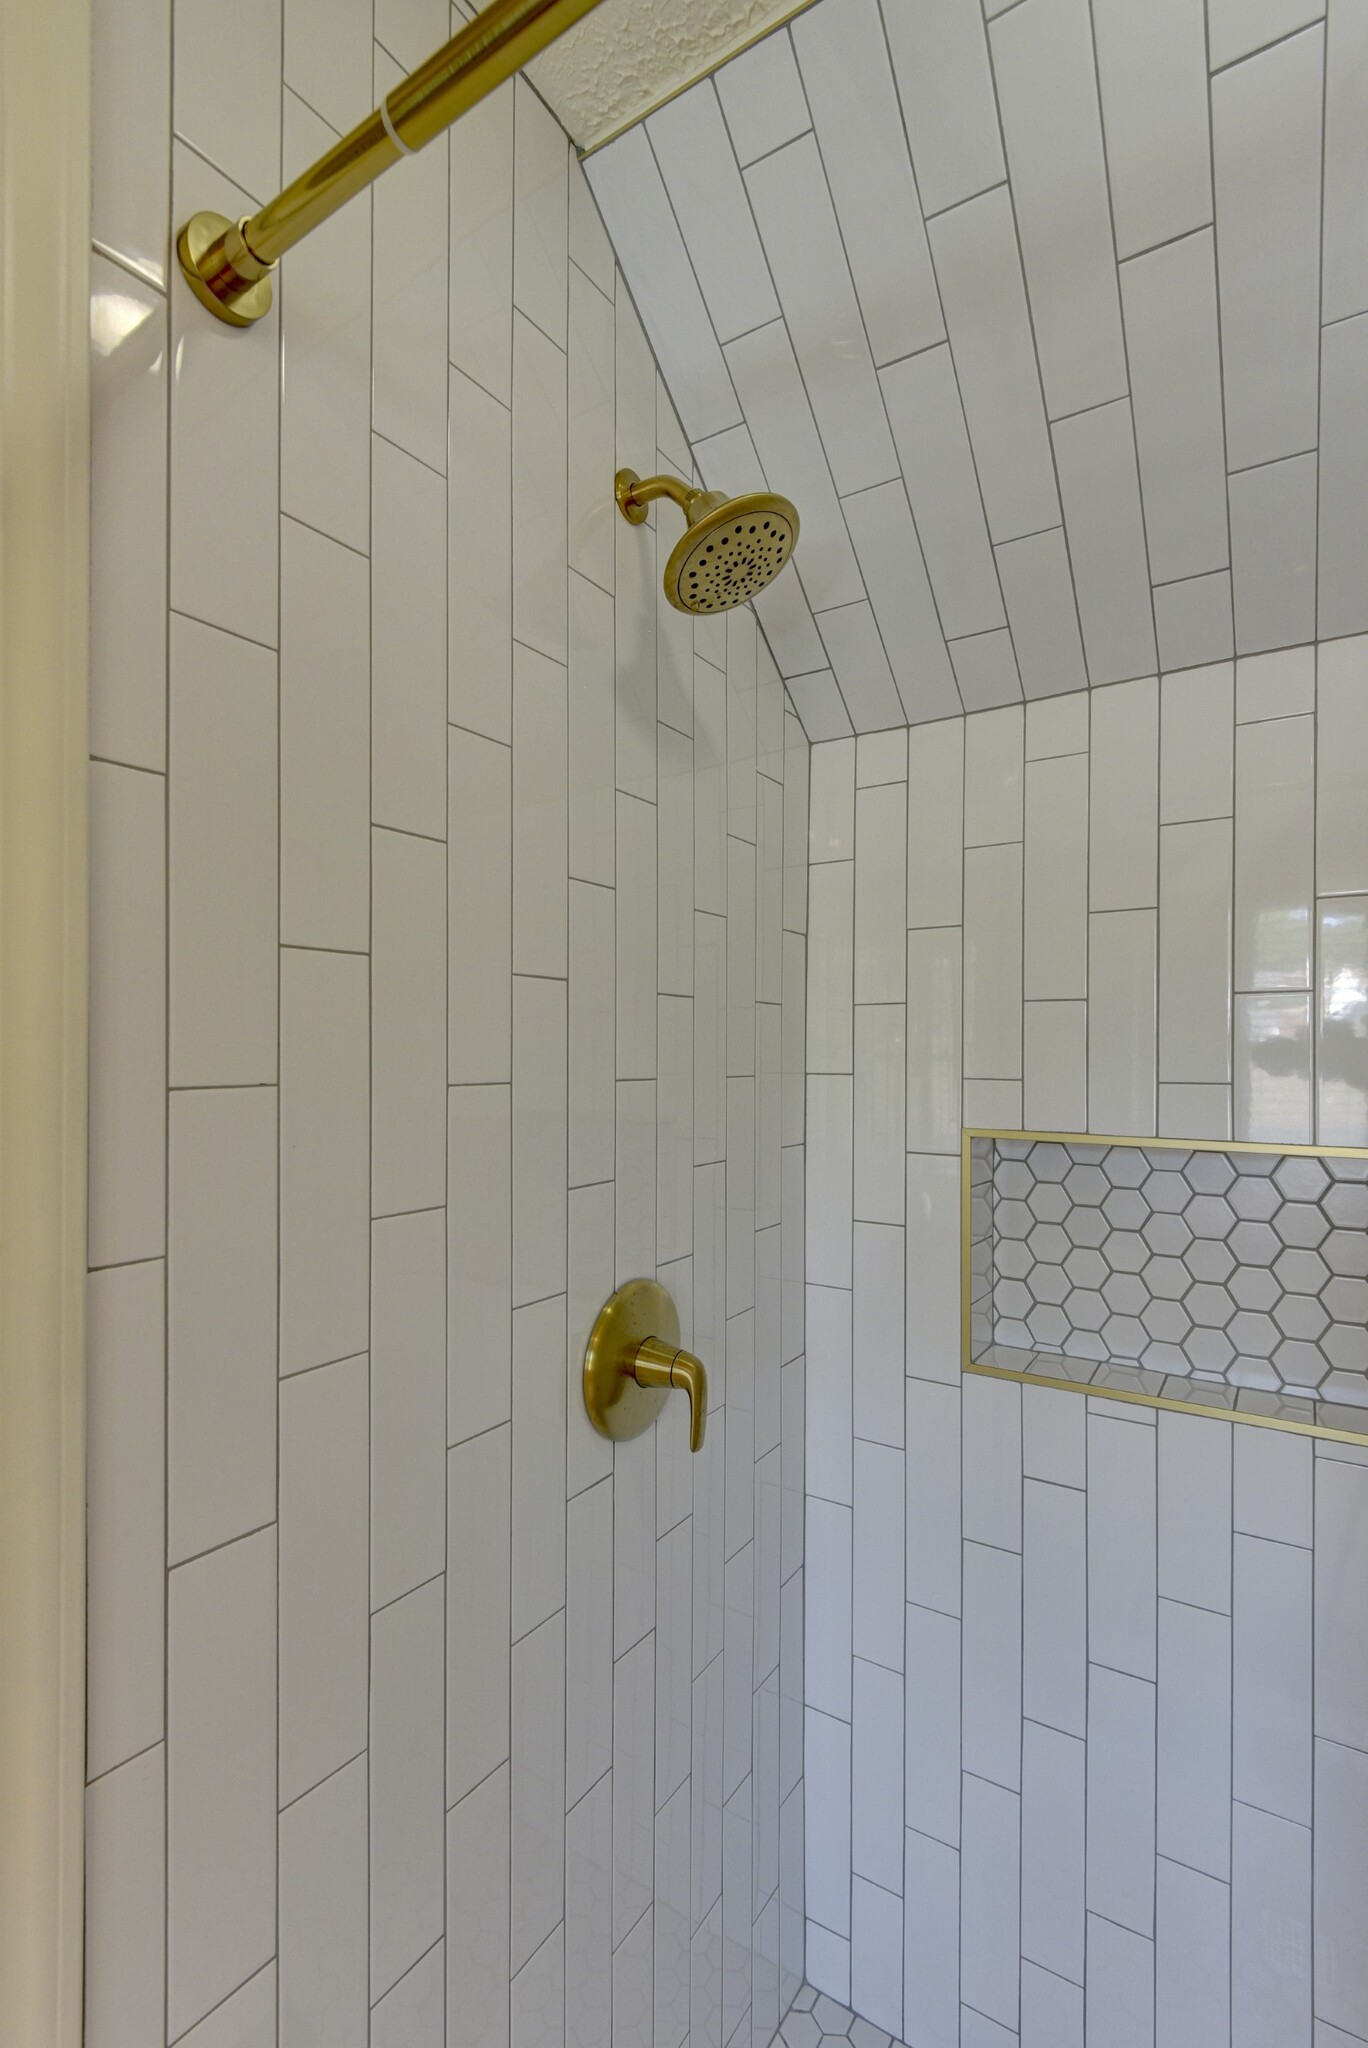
<point>1247,1268</point>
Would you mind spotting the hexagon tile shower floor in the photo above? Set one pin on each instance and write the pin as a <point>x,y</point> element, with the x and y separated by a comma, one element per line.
<point>814,2021</point>
<point>1250,1267</point>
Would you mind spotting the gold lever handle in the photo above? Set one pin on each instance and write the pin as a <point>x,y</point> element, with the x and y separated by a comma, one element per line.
<point>661,1365</point>
<point>633,1358</point>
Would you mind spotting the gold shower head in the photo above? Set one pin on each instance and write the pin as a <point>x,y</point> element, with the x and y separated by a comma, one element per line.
<point>731,547</point>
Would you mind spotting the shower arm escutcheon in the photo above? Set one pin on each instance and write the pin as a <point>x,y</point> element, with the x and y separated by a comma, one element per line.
<point>228,264</point>
<point>632,1360</point>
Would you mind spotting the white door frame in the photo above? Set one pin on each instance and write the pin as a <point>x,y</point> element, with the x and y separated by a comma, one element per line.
<point>44,582</point>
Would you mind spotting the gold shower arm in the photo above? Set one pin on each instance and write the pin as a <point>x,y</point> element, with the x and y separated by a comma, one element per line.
<point>634,493</point>
<point>228,264</point>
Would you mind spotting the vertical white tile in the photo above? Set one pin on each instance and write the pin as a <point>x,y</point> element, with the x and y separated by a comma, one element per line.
<point>674,1130</point>
<point>879,1349</point>
<point>1192,1924</point>
<point>1054,1057</point>
<point>324,1158</point>
<point>993,744</point>
<point>540,543</point>
<point>590,428</point>
<point>1119,1993</point>
<point>671,1924</point>
<point>477,1610</point>
<point>1194,1109</point>
<point>1051,2010</point>
<point>128,502</point>
<point>830,958</point>
<point>248,150</point>
<point>992,1462</point>
<point>1195,1487</point>
<point>1270,1929</point>
<point>990,1900</point>
<point>1121,1793</point>
<point>323,1906</point>
<point>539,1138</point>
<point>1056,878</point>
<point>826,1750</point>
<point>1271,1057</point>
<point>880,894</point>
<point>477,1867</point>
<point>931,1950</point>
<point>1273,1485</point>
<point>224,383</point>
<point>1054,1606</point>
<point>933,1322</point>
<point>1341,1639</point>
<point>540,814</point>
<point>126,1207</point>
<point>325,763</point>
<point>325,385</point>
<point>1274,854</point>
<point>1122,1021</point>
<point>633,1785</point>
<point>933,1496</point>
<point>222,859</point>
<point>538,1464</point>
<point>740,957</point>
<point>991,1638</point>
<point>830,1164</point>
<point>409,693</point>
<point>675,862</point>
<point>935,813</point>
<point>221,1774</point>
<point>479,1255</point>
<point>1194,1722</point>
<point>408,1000</point>
<point>1272,1677</point>
<point>1196,744</point>
<point>637,941</point>
<point>1341,763</point>
<point>827,1616</point>
<point>992,962</point>
<point>589,1918</point>
<point>479,908</point>
<point>131,108</point>
<point>324,1606</point>
<point>125,1515</point>
<point>410,287</point>
<point>632,1985</point>
<point>407,1805</point>
<point>480,561</point>
<point>1123,797</point>
<point>591,748</point>
<point>245,2018</point>
<point>412,2015</point>
<point>125,1892</point>
<point>879,1112</point>
<point>1341,1982</point>
<point>1053,1798</point>
<point>828,1418</point>
<point>1121,1546</point>
<point>407,1402</point>
<point>876,1960</point>
<point>591,1080</point>
<point>540,214</point>
<point>636,1178</point>
<point>878,1559</point>
<point>480,310</point>
<point>221,1339</point>
<point>933,1040</point>
<point>932,1725</point>
<point>1053,1437</point>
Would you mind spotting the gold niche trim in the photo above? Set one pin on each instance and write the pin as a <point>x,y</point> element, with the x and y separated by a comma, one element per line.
<point>1102,1392</point>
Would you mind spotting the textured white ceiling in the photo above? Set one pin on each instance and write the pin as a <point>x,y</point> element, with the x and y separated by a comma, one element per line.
<point>1051,317</point>
<point>628,54</point>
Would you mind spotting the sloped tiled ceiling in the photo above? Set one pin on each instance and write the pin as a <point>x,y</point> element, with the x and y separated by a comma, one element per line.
<point>1052,319</point>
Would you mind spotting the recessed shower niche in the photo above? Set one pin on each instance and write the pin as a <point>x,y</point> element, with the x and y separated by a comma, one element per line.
<point>1224,1278</point>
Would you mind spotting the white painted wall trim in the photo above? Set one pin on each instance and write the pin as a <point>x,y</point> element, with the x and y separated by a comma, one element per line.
<point>44,577</point>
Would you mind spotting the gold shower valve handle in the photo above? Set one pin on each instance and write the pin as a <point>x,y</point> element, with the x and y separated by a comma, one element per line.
<point>633,1359</point>
<point>660,1365</point>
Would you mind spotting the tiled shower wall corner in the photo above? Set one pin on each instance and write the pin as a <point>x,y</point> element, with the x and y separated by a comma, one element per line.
<point>1086,1686</point>
<point>448,898</point>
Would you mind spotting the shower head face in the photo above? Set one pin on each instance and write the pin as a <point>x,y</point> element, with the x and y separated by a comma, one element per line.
<point>732,551</point>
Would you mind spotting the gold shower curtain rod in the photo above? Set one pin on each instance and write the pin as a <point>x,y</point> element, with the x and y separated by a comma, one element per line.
<point>228,264</point>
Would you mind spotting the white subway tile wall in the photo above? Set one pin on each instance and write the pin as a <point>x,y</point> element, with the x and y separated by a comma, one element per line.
<point>448,966</point>
<point>1052,319</point>
<point>1132,1659</point>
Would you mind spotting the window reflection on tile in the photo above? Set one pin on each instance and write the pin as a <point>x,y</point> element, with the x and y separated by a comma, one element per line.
<point>1272,1061</point>
<point>1342,1020</point>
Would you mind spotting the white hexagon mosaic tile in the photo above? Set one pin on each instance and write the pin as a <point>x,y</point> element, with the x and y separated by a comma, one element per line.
<point>1249,1268</point>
